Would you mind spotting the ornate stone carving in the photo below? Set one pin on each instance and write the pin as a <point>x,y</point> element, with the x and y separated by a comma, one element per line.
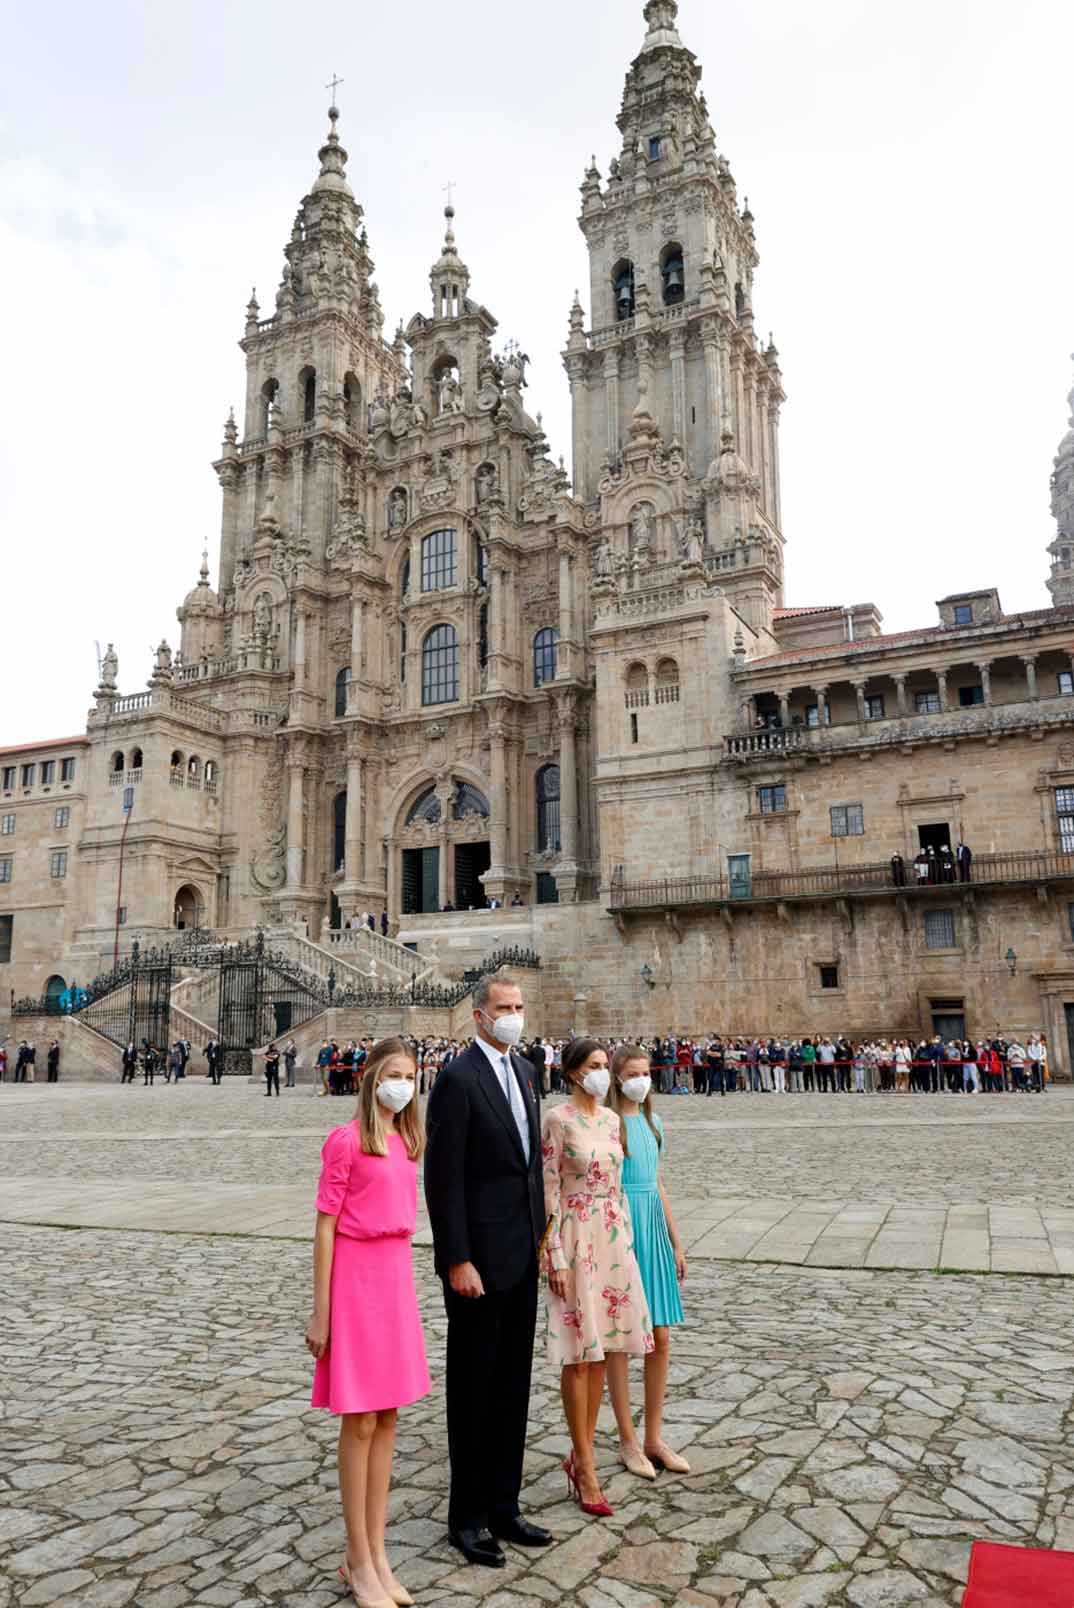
<point>268,861</point>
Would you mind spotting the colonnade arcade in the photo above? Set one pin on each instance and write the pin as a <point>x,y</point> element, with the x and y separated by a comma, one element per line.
<point>816,695</point>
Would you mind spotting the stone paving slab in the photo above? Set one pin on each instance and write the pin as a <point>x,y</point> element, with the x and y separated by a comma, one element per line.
<point>850,1433</point>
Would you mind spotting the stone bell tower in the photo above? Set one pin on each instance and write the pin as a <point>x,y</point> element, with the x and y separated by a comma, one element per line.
<point>1061,550</point>
<point>672,259</point>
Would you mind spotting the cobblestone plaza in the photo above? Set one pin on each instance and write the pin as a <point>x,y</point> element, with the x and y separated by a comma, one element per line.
<point>876,1367</point>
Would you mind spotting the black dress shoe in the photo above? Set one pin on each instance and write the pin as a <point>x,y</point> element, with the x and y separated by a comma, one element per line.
<point>521,1532</point>
<point>478,1546</point>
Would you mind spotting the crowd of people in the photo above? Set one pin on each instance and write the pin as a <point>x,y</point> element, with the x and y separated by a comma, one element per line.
<point>577,1201</point>
<point>24,1063</point>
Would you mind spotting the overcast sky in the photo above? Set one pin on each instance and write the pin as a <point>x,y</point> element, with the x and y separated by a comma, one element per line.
<point>910,170</point>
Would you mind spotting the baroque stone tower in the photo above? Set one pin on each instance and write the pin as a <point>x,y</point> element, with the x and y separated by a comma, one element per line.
<point>672,363</point>
<point>1061,550</point>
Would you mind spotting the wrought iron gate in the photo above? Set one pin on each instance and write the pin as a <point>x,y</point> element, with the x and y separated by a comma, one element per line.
<point>133,1003</point>
<point>261,999</point>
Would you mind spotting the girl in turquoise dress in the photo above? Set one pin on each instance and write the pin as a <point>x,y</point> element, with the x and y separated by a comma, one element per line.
<point>660,1258</point>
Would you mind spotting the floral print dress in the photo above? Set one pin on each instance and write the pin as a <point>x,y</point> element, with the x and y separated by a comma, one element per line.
<point>591,1238</point>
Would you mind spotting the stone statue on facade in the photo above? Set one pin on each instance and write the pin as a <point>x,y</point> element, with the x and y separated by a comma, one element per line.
<point>487,482</point>
<point>692,545</point>
<point>641,529</point>
<point>450,393</point>
<point>397,509</point>
<point>110,667</point>
<point>262,614</point>
<point>604,567</point>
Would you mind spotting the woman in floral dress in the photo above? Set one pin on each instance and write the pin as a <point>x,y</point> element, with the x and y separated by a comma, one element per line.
<point>596,1303</point>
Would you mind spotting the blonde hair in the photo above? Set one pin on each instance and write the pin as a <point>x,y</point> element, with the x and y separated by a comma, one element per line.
<point>374,1123</point>
<point>622,1057</point>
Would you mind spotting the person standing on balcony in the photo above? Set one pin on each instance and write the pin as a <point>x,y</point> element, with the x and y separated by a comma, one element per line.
<point>384,923</point>
<point>898,871</point>
<point>964,856</point>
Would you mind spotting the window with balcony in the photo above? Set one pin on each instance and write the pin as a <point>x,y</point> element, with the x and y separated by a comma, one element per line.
<point>343,681</point>
<point>63,816</point>
<point>57,864</point>
<point>940,929</point>
<point>7,826</point>
<point>548,837</point>
<point>848,820</point>
<point>963,613</point>
<point>7,866</point>
<point>438,561</point>
<point>812,715</point>
<point>67,770</point>
<point>1065,683</point>
<point>772,800</point>
<point>874,706</point>
<point>927,703</point>
<point>10,772</point>
<point>1064,809</point>
<point>969,697</point>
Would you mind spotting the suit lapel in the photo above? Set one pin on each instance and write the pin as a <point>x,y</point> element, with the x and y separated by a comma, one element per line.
<point>492,1089</point>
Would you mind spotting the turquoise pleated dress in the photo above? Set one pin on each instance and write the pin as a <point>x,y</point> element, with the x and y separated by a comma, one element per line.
<point>652,1242</point>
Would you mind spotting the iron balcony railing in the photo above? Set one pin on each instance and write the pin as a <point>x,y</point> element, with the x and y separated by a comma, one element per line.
<point>1019,866</point>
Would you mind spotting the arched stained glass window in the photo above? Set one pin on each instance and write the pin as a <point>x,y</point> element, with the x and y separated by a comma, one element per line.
<point>470,801</point>
<point>548,838</point>
<point>425,808</point>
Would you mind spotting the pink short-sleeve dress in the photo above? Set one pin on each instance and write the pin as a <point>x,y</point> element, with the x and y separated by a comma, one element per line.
<point>376,1349</point>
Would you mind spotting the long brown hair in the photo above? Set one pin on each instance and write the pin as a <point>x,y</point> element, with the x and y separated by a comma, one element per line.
<point>622,1057</point>
<point>374,1123</point>
<point>576,1054</point>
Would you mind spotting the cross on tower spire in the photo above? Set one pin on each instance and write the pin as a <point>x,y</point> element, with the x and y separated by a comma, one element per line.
<point>333,85</point>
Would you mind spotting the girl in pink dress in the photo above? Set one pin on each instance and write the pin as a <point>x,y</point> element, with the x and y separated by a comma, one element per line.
<point>365,1332</point>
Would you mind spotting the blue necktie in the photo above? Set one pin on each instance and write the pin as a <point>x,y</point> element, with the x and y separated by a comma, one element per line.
<point>514,1101</point>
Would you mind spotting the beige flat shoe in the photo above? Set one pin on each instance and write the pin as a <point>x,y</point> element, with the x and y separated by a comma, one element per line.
<point>665,1458</point>
<point>635,1461</point>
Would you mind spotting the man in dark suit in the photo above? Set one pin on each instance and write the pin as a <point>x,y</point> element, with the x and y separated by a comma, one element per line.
<point>538,1059</point>
<point>483,1185</point>
<point>213,1057</point>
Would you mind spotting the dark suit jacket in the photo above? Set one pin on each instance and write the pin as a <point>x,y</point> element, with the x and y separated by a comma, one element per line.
<point>486,1206</point>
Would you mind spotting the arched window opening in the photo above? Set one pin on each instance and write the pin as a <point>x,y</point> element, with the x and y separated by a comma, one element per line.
<point>307,382</point>
<point>667,681</point>
<point>483,636</point>
<point>439,561</point>
<point>481,562</point>
<point>402,651</point>
<point>623,288</point>
<point>136,759</point>
<point>118,763</point>
<point>440,666</point>
<point>343,678</point>
<point>352,403</point>
<point>548,834</point>
<point>544,655</point>
<point>469,801</point>
<point>177,760</point>
<point>210,771</point>
<point>54,989</point>
<point>637,687</point>
<point>673,275</point>
<point>188,908</point>
<point>339,830</point>
<point>193,766</point>
<point>425,809</point>
<point>270,393</point>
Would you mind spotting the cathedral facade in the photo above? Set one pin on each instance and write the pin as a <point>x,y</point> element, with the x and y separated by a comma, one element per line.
<point>436,673</point>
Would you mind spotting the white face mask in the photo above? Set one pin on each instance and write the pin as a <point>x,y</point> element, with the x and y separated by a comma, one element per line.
<point>507,1029</point>
<point>637,1089</point>
<point>395,1094</point>
<point>597,1082</point>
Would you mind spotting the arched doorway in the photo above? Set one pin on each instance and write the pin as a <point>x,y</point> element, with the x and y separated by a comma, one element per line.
<point>188,908</point>
<point>54,989</point>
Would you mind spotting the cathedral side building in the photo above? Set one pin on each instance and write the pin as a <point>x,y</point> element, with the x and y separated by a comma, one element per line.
<point>435,672</point>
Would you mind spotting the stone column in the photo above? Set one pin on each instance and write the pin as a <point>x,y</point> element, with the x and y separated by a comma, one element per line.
<point>821,695</point>
<point>985,669</point>
<point>941,687</point>
<point>296,787</point>
<point>611,401</point>
<point>710,345</point>
<point>785,709</point>
<point>678,384</point>
<point>565,649</point>
<point>354,869</point>
<point>1030,662</point>
<point>357,617</point>
<point>900,694</point>
<point>567,874</point>
<point>497,804</point>
<point>859,693</point>
<point>300,646</point>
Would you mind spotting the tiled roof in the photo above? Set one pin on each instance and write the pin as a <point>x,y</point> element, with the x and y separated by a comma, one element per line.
<point>49,742</point>
<point>810,608</point>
